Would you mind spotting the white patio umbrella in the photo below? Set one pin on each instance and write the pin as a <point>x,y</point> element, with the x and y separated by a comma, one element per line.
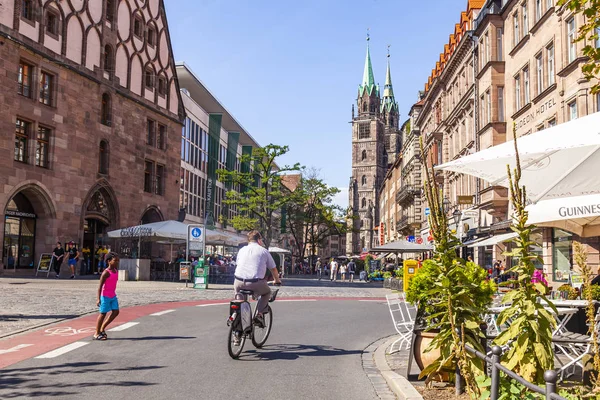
<point>158,230</point>
<point>580,214</point>
<point>558,162</point>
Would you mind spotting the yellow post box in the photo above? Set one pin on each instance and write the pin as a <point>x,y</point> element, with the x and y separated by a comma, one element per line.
<point>410,269</point>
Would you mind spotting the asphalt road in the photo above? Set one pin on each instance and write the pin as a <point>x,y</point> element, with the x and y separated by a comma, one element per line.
<point>314,352</point>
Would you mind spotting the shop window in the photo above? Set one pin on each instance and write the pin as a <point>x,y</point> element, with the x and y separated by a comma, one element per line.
<point>41,147</point>
<point>103,158</point>
<point>46,88</point>
<point>562,254</point>
<point>21,140</point>
<point>106,109</point>
<point>24,79</point>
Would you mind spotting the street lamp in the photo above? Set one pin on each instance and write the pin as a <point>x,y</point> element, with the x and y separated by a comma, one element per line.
<point>456,215</point>
<point>446,204</point>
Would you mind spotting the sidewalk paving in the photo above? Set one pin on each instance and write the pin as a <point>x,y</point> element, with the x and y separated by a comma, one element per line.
<point>28,303</point>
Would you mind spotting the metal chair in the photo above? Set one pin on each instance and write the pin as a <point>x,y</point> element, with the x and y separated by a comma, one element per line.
<point>403,317</point>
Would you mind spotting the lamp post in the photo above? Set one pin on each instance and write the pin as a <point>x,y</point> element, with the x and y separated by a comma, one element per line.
<point>457,215</point>
<point>446,204</point>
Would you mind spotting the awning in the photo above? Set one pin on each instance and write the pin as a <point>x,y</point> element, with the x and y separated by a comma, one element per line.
<point>495,240</point>
<point>473,241</point>
<point>402,246</point>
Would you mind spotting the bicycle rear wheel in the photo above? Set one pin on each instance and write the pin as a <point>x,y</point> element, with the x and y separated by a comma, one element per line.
<point>260,335</point>
<point>235,350</point>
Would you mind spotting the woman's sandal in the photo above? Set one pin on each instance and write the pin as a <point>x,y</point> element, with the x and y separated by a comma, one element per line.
<point>100,336</point>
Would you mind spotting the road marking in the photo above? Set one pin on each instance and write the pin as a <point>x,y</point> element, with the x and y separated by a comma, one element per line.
<point>161,313</point>
<point>123,327</point>
<point>67,331</point>
<point>212,304</point>
<point>378,301</point>
<point>279,301</point>
<point>62,350</point>
<point>14,349</point>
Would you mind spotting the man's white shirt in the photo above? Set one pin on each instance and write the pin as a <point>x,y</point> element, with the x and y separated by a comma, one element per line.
<point>253,261</point>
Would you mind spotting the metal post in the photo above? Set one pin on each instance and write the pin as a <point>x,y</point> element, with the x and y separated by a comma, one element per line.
<point>483,328</point>
<point>459,385</point>
<point>496,353</point>
<point>550,377</point>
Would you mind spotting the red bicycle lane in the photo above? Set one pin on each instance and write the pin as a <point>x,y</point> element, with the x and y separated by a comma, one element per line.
<point>35,343</point>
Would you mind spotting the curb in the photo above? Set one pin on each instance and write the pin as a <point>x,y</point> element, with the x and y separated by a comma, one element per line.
<point>399,384</point>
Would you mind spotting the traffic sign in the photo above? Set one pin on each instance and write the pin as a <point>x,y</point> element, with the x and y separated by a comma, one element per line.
<point>195,234</point>
<point>411,239</point>
<point>427,211</point>
<point>419,240</point>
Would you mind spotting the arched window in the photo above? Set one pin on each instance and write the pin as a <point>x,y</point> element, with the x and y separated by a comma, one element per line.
<point>364,180</point>
<point>391,121</point>
<point>364,203</point>
<point>106,109</point>
<point>364,155</point>
<point>103,158</point>
<point>365,107</point>
<point>110,11</point>
<point>108,59</point>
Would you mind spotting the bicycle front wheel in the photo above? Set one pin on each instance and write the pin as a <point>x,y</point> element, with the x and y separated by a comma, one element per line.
<point>260,335</point>
<point>235,342</point>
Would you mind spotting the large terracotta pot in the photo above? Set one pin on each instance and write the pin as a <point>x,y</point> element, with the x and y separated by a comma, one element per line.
<point>422,341</point>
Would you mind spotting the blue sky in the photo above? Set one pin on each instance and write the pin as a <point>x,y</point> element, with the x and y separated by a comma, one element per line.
<point>289,70</point>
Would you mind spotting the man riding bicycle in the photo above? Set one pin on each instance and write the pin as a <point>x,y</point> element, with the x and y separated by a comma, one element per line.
<point>253,261</point>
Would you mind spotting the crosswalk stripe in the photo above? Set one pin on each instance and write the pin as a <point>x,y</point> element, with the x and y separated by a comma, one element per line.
<point>123,327</point>
<point>62,350</point>
<point>16,348</point>
<point>162,313</point>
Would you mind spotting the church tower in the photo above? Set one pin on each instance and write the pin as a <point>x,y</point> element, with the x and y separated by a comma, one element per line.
<point>390,116</point>
<point>368,162</point>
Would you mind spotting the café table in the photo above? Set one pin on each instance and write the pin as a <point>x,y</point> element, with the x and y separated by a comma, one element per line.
<point>562,316</point>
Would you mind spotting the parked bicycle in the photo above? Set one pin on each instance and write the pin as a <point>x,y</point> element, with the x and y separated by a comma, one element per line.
<point>242,325</point>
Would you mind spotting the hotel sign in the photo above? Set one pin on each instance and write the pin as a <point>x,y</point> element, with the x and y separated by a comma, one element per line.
<point>535,114</point>
<point>465,200</point>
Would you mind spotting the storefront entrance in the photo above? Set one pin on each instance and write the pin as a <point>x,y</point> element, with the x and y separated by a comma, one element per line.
<point>19,233</point>
<point>94,236</point>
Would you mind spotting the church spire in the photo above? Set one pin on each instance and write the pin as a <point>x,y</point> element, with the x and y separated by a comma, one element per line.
<point>368,82</point>
<point>389,101</point>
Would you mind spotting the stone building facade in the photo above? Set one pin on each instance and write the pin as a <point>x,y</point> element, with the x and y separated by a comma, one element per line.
<point>375,138</point>
<point>92,115</point>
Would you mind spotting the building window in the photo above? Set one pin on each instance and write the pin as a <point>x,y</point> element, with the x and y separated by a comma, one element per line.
<point>148,172</point>
<point>517,93</point>
<point>571,39</point>
<point>151,132</point>
<point>364,203</point>
<point>151,36</point>
<point>516,32</point>
<point>103,158</point>
<point>41,147</point>
<point>159,179</point>
<point>21,140</point>
<point>364,155</point>
<point>538,10</point>
<point>162,137</point>
<point>162,86</point>
<point>499,38</point>
<point>364,131</point>
<point>46,88</point>
<point>52,23</point>
<point>149,78</point>
<point>364,180</point>
<point>110,11</point>
<point>598,102</point>
<point>106,110</point>
<point>108,59</point>
<point>549,4</point>
<point>25,73</point>
<point>551,123</point>
<point>525,18</point>
<point>482,107</point>
<point>539,72</point>
<point>550,66</point>
<point>562,254</point>
<point>27,9</point>
<point>572,110</point>
<point>488,106</point>
<point>137,26</point>
<point>526,84</point>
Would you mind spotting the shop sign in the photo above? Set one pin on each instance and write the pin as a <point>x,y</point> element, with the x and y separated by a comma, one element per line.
<point>136,231</point>
<point>464,200</point>
<point>14,213</point>
<point>529,117</point>
<point>44,264</point>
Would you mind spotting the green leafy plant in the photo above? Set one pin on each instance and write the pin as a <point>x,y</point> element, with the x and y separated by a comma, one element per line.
<point>387,275</point>
<point>572,292</point>
<point>399,273</point>
<point>368,259</point>
<point>594,291</point>
<point>529,334</point>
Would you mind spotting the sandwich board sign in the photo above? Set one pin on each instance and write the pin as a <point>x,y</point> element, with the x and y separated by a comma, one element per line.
<point>44,264</point>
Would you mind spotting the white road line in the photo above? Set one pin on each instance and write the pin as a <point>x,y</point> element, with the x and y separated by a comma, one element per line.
<point>16,348</point>
<point>212,304</point>
<point>62,350</point>
<point>378,301</point>
<point>278,301</point>
<point>156,314</point>
<point>123,327</point>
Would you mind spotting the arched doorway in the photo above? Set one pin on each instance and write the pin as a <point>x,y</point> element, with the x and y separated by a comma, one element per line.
<point>99,216</point>
<point>28,209</point>
<point>151,215</point>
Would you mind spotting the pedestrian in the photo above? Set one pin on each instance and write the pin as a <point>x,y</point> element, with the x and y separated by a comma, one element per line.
<point>319,268</point>
<point>86,260</point>
<point>334,270</point>
<point>351,270</point>
<point>58,255</point>
<point>73,257</point>
<point>100,259</point>
<point>343,270</point>
<point>106,252</point>
<point>107,296</point>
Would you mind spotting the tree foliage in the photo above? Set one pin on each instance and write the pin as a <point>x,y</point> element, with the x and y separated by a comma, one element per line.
<point>262,193</point>
<point>588,32</point>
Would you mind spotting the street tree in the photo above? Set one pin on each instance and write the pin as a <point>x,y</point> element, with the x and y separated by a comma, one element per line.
<point>588,33</point>
<point>261,195</point>
<point>312,216</point>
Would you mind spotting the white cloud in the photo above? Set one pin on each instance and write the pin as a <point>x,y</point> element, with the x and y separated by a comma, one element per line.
<point>341,199</point>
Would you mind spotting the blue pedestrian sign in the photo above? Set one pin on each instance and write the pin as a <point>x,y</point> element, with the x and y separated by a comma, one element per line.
<point>427,211</point>
<point>195,234</point>
<point>411,239</point>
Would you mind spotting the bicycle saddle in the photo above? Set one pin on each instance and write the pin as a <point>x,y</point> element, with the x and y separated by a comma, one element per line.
<point>246,291</point>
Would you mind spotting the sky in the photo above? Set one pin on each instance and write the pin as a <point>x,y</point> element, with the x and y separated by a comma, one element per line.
<point>289,71</point>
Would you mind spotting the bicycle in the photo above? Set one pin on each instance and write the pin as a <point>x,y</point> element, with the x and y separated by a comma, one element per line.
<point>237,334</point>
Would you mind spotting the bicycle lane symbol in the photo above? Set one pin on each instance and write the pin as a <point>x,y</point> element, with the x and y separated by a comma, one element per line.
<point>68,331</point>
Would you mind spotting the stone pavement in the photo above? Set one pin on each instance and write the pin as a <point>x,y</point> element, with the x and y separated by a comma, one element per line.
<point>27,303</point>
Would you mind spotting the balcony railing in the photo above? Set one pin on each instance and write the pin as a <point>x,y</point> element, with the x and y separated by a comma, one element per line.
<point>407,193</point>
<point>405,222</point>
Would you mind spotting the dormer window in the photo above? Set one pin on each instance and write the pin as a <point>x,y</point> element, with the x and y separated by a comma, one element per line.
<point>149,78</point>
<point>137,27</point>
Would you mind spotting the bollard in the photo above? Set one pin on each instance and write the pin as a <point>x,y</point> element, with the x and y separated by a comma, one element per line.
<point>459,385</point>
<point>484,328</point>
<point>496,353</point>
<point>550,377</point>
